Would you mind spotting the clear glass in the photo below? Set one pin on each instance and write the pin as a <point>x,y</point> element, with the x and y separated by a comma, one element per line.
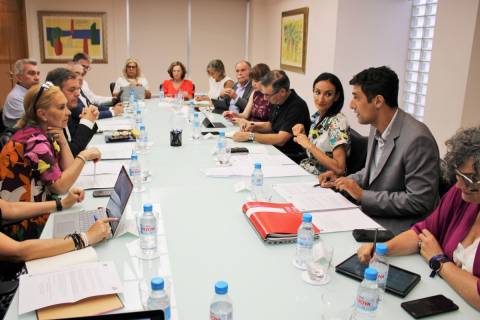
<point>318,265</point>
<point>223,158</point>
<point>336,306</point>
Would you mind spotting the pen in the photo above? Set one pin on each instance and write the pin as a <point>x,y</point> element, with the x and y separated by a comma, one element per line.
<point>316,185</point>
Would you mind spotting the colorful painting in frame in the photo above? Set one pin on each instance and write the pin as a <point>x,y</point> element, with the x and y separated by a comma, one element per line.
<point>63,34</point>
<point>293,50</point>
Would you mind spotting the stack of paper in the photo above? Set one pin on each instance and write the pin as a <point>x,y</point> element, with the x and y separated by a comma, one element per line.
<point>101,167</point>
<point>114,151</point>
<point>112,124</point>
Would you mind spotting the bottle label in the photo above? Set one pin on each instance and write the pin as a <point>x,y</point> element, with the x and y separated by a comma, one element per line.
<point>214,316</point>
<point>147,228</point>
<point>167,313</point>
<point>305,242</point>
<point>366,303</point>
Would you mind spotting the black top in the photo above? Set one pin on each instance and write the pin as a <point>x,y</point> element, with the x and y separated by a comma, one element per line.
<point>283,117</point>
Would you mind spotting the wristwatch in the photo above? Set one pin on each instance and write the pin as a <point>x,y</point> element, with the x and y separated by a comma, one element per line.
<point>251,136</point>
<point>58,203</point>
<point>436,262</point>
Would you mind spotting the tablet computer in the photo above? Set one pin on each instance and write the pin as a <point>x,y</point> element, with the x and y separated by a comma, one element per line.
<point>138,315</point>
<point>399,282</point>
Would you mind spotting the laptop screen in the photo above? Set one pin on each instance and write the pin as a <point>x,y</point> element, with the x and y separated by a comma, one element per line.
<point>119,198</point>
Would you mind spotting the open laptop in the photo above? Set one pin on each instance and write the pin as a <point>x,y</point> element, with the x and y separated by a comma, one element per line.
<point>139,92</point>
<point>209,124</point>
<point>80,221</point>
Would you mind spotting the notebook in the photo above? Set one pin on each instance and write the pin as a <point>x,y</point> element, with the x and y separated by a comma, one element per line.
<point>275,222</point>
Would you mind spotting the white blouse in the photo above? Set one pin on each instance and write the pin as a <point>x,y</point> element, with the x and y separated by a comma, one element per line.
<point>122,82</point>
<point>216,87</point>
<point>464,257</point>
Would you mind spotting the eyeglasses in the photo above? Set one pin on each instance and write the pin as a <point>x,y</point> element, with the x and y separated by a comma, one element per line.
<point>44,87</point>
<point>131,67</point>
<point>471,184</point>
<point>86,67</point>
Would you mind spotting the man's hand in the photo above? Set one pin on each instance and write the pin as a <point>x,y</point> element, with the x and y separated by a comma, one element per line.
<point>429,246</point>
<point>90,113</point>
<point>365,253</point>
<point>229,92</point>
<point>247,126</point>
<point>350,186</point>
<point>240,136</point>
<point>327,179</point>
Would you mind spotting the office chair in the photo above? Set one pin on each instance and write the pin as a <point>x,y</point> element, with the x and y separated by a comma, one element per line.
<point>112,86</point>
<point>358,152</point>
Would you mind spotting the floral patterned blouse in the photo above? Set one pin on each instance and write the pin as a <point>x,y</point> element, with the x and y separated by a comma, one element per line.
<point>330,133</point>
<point>28,165</point>
<point>261,108</point>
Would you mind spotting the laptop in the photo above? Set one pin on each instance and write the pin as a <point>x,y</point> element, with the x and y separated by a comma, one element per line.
<point>209,124</point>
<point>80,221</point>
<point>139,92</point>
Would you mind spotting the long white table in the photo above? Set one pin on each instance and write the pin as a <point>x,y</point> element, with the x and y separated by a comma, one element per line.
<point>209,239</point>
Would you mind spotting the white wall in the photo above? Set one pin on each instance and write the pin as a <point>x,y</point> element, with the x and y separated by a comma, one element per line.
<point>450,67</point>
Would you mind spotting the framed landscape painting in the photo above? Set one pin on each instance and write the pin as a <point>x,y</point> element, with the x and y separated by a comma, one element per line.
<point>63,34</point>
<point>293,48</point>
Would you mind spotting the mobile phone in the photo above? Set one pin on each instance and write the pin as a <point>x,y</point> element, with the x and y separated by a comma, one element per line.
<point>215,133</point>
<point>429,306</point>
<point>102,193</point>
<point>239,150</point>
<point>368,235</point>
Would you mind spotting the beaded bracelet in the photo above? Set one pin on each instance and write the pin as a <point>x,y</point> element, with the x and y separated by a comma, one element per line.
<point>77,240</point>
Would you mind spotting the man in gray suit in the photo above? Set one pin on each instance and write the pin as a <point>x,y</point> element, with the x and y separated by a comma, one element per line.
<point>399,183</point>
<point>235,99</point>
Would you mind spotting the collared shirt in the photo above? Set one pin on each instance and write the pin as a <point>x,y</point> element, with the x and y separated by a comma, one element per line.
<point>240,91</point>
<point>97,100</point>
<point>13,108</point>
<point>379,147</point>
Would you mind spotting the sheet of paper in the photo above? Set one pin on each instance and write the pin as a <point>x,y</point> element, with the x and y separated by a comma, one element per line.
<point>67,285</point>
<point>102,167</point>
<point>257,150</point>
<point>112,124</point>
<point>343,220</point>
<point>63,260</point>
<point>115,151</point>
<point>245,171</point>
<point>307,198</point>
<point>265,159</point>
<point>100,181</point>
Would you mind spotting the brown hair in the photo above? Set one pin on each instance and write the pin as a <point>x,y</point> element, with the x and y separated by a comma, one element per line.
<point>259,71</point>
<point>174,64</point>
<point>44,101</point>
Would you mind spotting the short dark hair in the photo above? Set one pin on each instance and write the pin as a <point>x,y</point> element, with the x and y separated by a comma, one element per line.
<point>381,81</point>
<point>81,56</point>
<point>278,79</point>
<point>333,79</point>
<point>174,64</point>
<point>59,76</point>
<point>259,71</point>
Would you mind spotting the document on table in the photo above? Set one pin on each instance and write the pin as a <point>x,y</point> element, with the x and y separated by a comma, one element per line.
<point>100,181</point>
<point>115,151</point>
<point>113,124</point>
<point>265,159</point>
<point>67,285</point>
<point>343,220</point>
<point>307,198</point>
<point>102,167</point>
<point>61,261</point>
<point>245,171</point>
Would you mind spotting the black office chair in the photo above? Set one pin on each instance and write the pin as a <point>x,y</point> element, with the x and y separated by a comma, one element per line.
<point>160,87</point>
<point>358,152</point>
<point>112,86</point>
<point>8,284</point>
<point>2,126</point>
<point>5,136</point>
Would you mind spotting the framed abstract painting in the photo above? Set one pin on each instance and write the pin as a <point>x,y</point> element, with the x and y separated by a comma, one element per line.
<point>293,50</point>
<point>63,34</point>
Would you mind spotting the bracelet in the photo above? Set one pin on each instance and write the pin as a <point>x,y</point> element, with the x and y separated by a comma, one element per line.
<point>251,136</point>
<point>77,240</point>
<point>84,237</point>
<point>58,203</point>
<point>82,158</point>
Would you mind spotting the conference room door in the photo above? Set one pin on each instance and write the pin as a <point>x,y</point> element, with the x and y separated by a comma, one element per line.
<point>13,44</point>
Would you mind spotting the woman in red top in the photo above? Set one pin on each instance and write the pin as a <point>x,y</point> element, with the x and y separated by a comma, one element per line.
<point>177,72</point>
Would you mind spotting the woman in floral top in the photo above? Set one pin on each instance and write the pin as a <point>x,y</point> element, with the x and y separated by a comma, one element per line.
<point>37,160</point>
<point>328,140</point>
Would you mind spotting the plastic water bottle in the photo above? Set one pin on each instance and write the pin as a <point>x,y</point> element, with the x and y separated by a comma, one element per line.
<point>143,138</point>
<point>222,155</point>
<point>135,172</point>
<point>191,111</point>
<point>148,231</point>
<point>366,302</point>
<point>195,126</point>
<point>221,307</point>
<point>305,237</point>
<point>257,183</point>
<point>138,118</point>
<point>379,262</point>
<point>159,299</point>
<point>161,95</point>
<point>132,101</point>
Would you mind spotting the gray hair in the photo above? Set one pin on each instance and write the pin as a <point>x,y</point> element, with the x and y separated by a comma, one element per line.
<point>217,65</point>
<point>244,61</point>
<point>464,145</point>
<point>20,63</point>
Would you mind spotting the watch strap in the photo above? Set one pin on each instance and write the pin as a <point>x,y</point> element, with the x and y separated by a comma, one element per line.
<point>435,263</point>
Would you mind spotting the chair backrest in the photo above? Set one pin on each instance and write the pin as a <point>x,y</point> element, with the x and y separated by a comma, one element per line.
<point>5,137</point>
<point>160,87</point>
<point>358,152</point>
<point>112,86</point>
<point>2,126</point>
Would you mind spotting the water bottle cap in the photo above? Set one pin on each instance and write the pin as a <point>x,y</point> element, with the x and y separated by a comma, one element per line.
<point>307,217</point>
<point>221,287</point>
<point>138,111</point>
<point>370,274</point>
<point>258,165</point>
<point>157,283</point>
<point>147,207</point>
<point>134,155</point>
<point>142,126</point>
<point>222,133</point>
<point>381,249</point>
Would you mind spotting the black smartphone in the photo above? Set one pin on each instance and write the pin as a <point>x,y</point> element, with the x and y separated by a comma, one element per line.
<point>215,133</point>
<point>429,306</point>
<point>102,193</point>
<point>239,150</point>
<point>368,235</point>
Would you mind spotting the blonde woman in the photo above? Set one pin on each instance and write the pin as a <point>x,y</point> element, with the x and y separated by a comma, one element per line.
<point>132,77</point>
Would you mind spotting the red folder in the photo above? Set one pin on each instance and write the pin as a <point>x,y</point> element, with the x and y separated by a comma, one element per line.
<point>275,222</point>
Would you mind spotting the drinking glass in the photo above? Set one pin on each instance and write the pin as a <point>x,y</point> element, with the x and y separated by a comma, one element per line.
<point>223,159</point>
<point>319,264</point>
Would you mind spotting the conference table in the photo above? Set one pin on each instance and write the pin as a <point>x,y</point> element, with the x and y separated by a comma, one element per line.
<point>208,238</point>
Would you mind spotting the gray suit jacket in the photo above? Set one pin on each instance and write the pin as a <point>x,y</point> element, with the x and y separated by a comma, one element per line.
<point>223,103</point>
<point>404,189</point>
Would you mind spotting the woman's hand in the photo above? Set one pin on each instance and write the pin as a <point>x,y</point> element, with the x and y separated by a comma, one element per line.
<point>240,136</point>
<point>230,115</point>
<point>365,252</point>
<point>303,140</point>
<point>57,135</point>
<point>73,196</point>
<point>240,122</point>
<point>247,126</point>
<point>100,230</point>
<point>298,129</point>
<point>429,246</point>
<point>91,154</point>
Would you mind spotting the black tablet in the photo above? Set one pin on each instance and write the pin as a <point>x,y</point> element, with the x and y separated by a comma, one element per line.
<point>139,315</point>
<point>399,282</point>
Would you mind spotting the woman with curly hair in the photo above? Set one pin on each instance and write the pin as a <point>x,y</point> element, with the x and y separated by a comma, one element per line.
<point>132,77</point>
<point>449,238</point>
